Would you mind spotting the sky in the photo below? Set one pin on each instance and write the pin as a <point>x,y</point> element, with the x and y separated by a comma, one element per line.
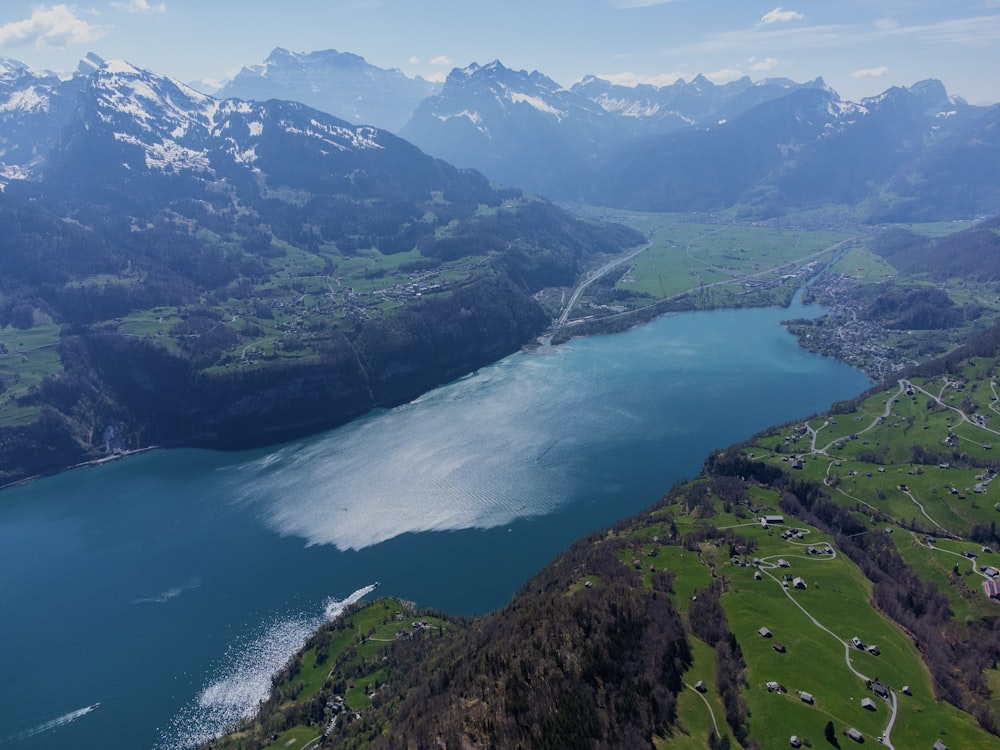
<point>859,47</point>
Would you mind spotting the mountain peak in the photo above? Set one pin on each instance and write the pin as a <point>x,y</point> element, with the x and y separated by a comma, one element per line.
<point>89,64</point>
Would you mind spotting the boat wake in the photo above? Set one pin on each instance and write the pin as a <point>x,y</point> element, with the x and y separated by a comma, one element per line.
<point>50,725</point>
<point>243,679</point>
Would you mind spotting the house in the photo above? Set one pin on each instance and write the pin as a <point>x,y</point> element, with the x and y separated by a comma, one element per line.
<point>779,647</point>
<point>794,741</point>
<point>857,642</point>
<point>939,745</point>
<point>764,633</point>
<point>774,519</point>
<point>906,690</point>
<point>700,686</point>
<point>873,650</point>
<point>868,703</point>
<point>880,690</point>
<point>773,687</point>
<point>782,563</point>
<point>855,735</point>
<point>806,697</point>
<point>756,575</point>
<point>992,588</point>
<point>798,583</point>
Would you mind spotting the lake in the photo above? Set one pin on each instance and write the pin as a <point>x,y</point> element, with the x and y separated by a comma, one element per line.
<point>169,586</point>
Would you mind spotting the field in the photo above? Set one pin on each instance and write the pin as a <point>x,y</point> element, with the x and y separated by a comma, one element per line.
<point>713,265</point>
<point>26,358</point>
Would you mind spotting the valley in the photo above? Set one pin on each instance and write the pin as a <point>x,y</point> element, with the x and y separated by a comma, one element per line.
<point>398,338</point>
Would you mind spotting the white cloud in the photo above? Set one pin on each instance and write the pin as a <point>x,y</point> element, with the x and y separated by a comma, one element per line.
<point>140,6</point>
<point>440,60</point>
<point>625,4</point>
<point>878,72</point>
<point>55,26</point>
<point>780,15</point>
<point>635,79</point>
<point>760,66</point>
<point>725,75</point>
<point>439,77</point>
<point>414,60</point>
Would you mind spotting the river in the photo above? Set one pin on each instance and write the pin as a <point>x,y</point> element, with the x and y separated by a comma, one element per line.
<point>168,586</point>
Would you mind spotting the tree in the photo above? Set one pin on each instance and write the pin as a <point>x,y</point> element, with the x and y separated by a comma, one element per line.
<point>830,732</point>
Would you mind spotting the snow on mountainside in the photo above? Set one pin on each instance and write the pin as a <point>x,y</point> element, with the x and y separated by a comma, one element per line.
<point>34,105</point>
<point>339,83</point>
<point>519,128</point>
<point>161,125</point>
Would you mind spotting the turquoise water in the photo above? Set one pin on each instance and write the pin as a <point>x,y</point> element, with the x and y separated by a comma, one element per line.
<point>167,587</point>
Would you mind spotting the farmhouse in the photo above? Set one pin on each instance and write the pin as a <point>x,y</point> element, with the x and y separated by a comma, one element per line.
<point>779,647</point>
<point>794,741</point>
<point>798,583</point>
<point>806,697</point>
<point>939,745</point>
<point>700,686</point>
<point>774,519</point>
<point>855,735</point>
<point>764,633</point>
<point>857,642</point>
<point>992,588</point>
<point>868,703</point>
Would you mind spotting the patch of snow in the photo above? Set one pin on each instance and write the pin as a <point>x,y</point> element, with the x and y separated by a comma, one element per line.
<point>121,67</point>
<point>540,104</point>
<point>256,128</point>
<point>26,100</point>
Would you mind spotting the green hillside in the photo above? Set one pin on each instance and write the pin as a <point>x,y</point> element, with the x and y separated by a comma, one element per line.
<point>725,615</point>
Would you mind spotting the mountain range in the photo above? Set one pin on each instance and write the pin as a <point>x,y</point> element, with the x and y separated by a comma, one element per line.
<point>178,268</point>
<point>759,148</point>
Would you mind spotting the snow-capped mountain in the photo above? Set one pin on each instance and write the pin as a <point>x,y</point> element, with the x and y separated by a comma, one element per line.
<point>518,127</point>
<point>131,124</point>
<point>340,83</point>
<point>34,106</point>
<point>655,110</point>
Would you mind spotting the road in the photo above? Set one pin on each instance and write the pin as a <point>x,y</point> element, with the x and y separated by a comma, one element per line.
<point>593,276</point>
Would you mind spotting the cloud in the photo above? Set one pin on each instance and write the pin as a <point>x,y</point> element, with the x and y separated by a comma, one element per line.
<point>981,31</point>
<point>635,79</point>
<point>886,23</point>
<point>439,77</point>
<point>55,26</point>
<point>725,75</point>
<point>780,15</point>
<point>140,6</point>
<point>878,72</point>
<point>440,60</point>
<point>626,4</point>
<point>760,66</point>
<point>414,60</point>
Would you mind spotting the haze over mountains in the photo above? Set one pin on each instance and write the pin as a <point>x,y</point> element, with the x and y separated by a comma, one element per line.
<point>761,147</point>
<point>765,147</point>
